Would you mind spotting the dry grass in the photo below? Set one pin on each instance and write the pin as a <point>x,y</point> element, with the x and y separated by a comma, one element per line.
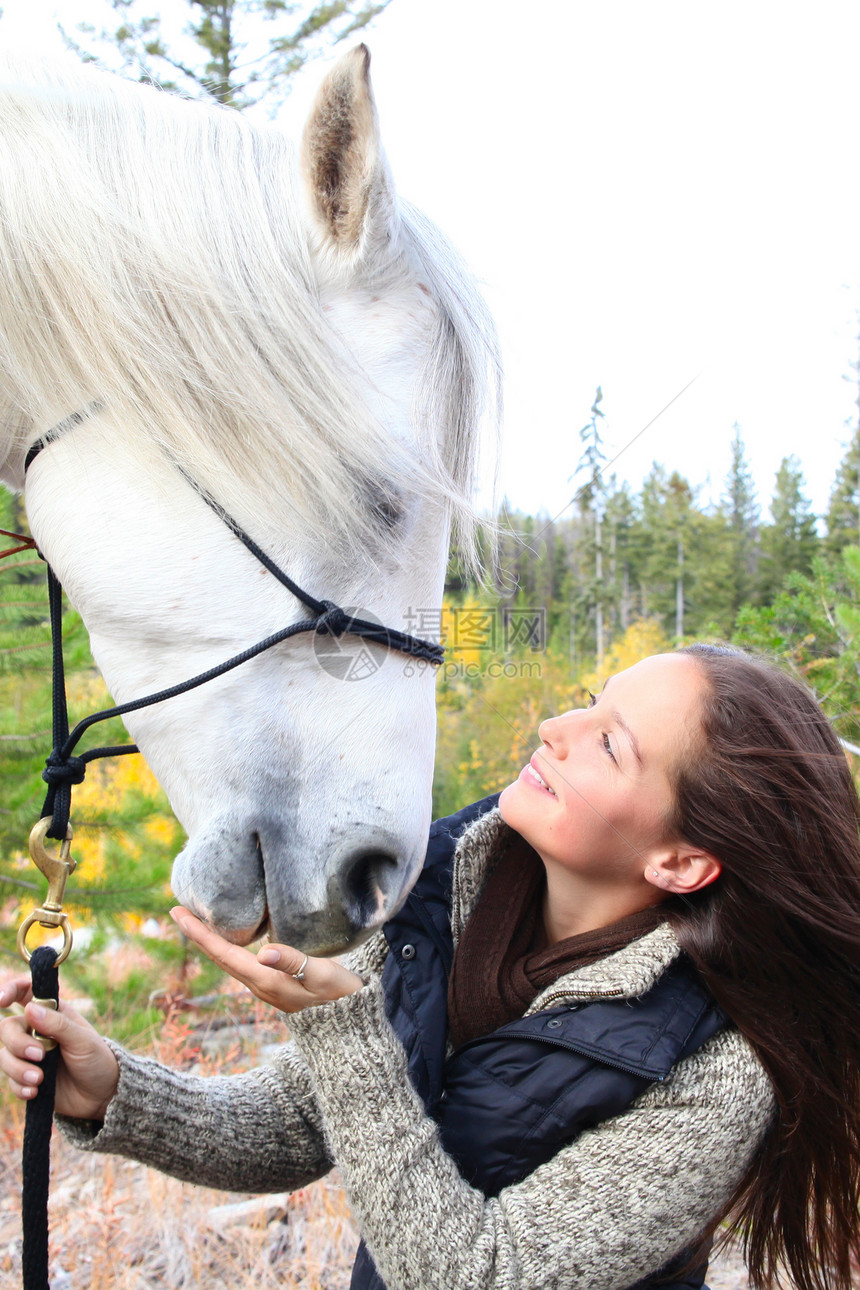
<point>120,1226</point>
<point>116,1225</point>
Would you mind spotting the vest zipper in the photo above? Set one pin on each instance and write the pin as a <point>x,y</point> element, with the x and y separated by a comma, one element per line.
<point>568,996</point>
<point>455,901</point>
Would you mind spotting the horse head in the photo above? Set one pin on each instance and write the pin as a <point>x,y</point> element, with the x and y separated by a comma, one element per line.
<point>306,349</point>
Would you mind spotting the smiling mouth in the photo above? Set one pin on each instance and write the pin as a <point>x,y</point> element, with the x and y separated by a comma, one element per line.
<point>539,780</point>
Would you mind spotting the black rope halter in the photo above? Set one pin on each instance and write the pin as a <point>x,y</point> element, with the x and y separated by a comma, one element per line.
<point>63,769</point>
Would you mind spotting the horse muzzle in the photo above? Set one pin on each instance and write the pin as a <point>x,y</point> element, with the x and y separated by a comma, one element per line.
<point>243,885</point>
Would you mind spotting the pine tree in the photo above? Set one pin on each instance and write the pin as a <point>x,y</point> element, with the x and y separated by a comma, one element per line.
<point>125,833</point>
<point>234,63</point>
<point>814,624</point>
<point>590,497</point>
<point>843,512</point>
<point>709,581</point>
<point>620,526</point>
<point>790,542</point>
<point>742,513</point>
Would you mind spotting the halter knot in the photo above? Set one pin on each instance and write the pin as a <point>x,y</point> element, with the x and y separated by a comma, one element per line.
<point>333,621</point>
<point>64,770</point>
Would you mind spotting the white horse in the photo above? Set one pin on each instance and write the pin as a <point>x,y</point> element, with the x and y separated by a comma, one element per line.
<point>311,353</point>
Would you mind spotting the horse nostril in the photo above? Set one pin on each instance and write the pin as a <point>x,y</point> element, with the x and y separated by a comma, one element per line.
<point>367,878</point>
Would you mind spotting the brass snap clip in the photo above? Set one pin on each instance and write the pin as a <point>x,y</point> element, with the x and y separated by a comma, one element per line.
<point>57,870</point>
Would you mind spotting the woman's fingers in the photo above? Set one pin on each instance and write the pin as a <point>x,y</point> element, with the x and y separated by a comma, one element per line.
<point>323,979</point>
<point>74,1035</point>
<point>239,962</point>
<point>286,959</point>
<point>88,1073</point>
<point>18,990</point>
<point>19,1057</point>
<point>270,974</point>
<point>16,1038</point>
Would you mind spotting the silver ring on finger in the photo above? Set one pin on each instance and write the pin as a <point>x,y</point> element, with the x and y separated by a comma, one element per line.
<point>300,975</point>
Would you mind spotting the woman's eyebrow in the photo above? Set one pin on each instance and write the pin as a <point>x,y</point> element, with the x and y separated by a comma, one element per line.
<point>631,738</point>
<point>623,726</point>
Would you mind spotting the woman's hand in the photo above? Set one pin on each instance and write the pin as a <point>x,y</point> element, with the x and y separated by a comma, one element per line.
<point>270,973</point>
<point>87,1074</point>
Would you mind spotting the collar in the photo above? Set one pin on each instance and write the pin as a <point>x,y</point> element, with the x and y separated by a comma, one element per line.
<point>626,974</point>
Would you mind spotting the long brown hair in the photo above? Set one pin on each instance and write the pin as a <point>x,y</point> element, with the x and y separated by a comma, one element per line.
<point>777,940</point>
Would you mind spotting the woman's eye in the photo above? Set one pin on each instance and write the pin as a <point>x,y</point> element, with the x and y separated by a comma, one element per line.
<point>608,746</point>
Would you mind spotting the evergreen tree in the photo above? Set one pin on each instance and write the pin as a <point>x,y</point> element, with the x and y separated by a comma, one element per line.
<point>790,542</point>
<point>620,530</point>
<point>843,512</point>
<point>814,624</point>
<point>234,62</point>
<point>742,513</point>
<point>591,497</point>
<point>709,580</point>
<point>684,559</point>
<point>549,569</point>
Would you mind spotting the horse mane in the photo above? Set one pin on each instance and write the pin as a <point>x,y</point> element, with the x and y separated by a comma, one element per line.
<point>152,258</point>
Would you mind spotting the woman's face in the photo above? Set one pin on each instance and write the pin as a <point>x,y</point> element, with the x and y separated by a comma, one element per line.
<point>595,797</point>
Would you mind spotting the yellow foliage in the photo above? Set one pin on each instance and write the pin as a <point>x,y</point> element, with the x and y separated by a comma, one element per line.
<point>119,801</point>
<point>487,728</point>
<point>643,639</point>
<point>160,828</point>
<point>468,632</point>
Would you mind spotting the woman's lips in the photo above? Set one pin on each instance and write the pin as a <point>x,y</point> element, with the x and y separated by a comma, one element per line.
<point>533,777</point>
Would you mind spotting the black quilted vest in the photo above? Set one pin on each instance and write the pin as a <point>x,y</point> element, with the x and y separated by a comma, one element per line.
<point>509,1101</point>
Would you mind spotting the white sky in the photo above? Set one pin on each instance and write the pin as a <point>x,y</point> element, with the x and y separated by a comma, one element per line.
<point>647,189</point>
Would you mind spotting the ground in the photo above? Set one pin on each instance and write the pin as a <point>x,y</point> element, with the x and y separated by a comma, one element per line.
<point>120,1226</point>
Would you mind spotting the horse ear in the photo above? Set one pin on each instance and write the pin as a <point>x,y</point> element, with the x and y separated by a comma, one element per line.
<point>346,176</point>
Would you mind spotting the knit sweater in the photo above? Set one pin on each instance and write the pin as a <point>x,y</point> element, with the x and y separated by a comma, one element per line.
<point>613,1206</point>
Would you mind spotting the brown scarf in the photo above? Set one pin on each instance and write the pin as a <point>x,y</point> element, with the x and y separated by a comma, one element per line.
<point>502,963</point>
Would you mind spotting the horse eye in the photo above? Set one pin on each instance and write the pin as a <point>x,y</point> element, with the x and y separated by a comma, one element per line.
<point>388,510</point>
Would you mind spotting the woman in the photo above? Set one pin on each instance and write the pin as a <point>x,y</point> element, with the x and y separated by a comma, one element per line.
<point>524,1081</point>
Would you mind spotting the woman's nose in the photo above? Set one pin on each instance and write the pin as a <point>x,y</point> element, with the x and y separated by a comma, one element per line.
<point>560,733</point>
<point>553,734</point>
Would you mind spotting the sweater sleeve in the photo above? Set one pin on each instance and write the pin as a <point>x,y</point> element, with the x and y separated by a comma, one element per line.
<point>260,1131</point>
<point>607,1210</point>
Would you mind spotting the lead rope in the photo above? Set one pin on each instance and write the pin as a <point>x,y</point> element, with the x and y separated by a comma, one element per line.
<point>63,770</point>
<point>39,1115</point>
<point>36,1154</point>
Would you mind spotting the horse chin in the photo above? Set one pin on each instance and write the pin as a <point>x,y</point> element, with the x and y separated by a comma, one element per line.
<point>315,934</point>
<point>218,875</point>
<point>322,937</point>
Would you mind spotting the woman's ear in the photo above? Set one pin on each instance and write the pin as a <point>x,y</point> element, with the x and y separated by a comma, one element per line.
<point>682,869</point>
